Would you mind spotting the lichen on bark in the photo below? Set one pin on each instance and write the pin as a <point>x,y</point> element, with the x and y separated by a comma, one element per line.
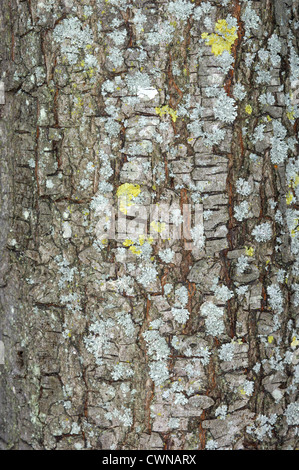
<point>159,340</point>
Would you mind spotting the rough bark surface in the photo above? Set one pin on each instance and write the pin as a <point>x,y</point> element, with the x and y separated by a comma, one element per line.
<point>138,344</point>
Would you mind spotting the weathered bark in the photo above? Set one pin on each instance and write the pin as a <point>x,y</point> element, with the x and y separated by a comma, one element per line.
<point>81,370</point>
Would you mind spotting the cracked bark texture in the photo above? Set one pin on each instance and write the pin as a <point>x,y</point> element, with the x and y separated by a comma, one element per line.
<point>57,286</point>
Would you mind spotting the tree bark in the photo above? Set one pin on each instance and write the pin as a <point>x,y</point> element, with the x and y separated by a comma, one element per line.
<point>141,343</point>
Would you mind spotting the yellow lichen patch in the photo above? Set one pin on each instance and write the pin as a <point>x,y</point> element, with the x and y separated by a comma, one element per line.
<point>132,244</point>
<point>291,115</point>
<point>135,250</point>
<point>294,182</point>
<point>128,189</point>
<point>249,251</point>
<point>167,110</point>
<point>248,109</point>
<point>223,39</point>
<point>132,248</point>
<point>143,239</point>
<point>78,105</point>
<point>294,342</point>
<point>128,242</point>
<point>289,198</point>
<point>125,193</point>
<point>158,227</point>
<point>90,72</point>
<point>270,339</point>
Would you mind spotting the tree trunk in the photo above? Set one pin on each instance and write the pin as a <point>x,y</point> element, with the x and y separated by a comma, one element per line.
<point>164,340</point>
